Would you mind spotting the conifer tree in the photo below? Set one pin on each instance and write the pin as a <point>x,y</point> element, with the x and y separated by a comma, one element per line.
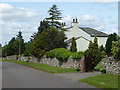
<point>73,45</point>
<point>93,55</point>
<point>108,46</point>
<point>55,15</point>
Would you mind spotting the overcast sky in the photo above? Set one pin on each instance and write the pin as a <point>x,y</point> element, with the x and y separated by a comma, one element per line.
<point>26,16</point>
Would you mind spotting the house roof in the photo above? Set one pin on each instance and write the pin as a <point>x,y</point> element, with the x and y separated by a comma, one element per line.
<point>93,32</point>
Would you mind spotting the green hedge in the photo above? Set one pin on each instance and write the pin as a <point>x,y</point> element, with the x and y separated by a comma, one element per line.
<point>78,55</point>
<point>63,54</point>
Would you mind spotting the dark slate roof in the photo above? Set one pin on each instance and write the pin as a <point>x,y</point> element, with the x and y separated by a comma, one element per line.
<point>93,32</point>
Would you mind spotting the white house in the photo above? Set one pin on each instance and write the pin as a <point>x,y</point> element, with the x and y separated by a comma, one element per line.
<point>83,36</point>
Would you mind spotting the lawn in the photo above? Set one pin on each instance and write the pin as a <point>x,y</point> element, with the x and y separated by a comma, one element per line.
<point>102,81</point>
<point>44,67</point>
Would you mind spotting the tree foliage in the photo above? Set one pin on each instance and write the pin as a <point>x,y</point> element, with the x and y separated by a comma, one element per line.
<point>49,39</point>
<point>93,55</point>
<point>73,47</point>
<point>13,46</point>
<point>116,49</point>
<point>44,25</point>
<point>55,15</point>
<point>111,37</point>
<point>0,49</point>
<point>27,51</point>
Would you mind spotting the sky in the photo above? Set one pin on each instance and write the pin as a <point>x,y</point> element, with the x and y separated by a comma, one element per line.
<point>26,16</point>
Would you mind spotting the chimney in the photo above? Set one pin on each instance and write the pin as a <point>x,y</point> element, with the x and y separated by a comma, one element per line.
<point>64,24</point>
<point>73,20</point>
<point>76,20</point>
<point>75,23</point>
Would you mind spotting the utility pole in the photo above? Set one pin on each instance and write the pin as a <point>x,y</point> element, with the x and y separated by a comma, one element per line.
<point>19,50</point>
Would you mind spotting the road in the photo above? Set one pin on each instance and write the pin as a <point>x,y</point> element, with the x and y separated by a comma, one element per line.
<point>19,76</point>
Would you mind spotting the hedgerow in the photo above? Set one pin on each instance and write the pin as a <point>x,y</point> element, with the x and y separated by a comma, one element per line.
<point>63,54</point>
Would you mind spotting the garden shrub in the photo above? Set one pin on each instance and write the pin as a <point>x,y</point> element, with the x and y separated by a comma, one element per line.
<point>78,55</point>
<point>51,54</point>
<point>63,54</point>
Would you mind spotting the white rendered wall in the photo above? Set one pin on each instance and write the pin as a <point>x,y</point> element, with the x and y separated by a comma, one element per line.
<point>101,40</point>
<point>82,44</point>
<point>75,31</point>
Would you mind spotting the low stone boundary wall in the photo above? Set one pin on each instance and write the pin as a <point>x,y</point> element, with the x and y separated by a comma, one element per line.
<point>55,62</point>
<point>111,65</point>
<point>13,57</point>
<point>51,61</point>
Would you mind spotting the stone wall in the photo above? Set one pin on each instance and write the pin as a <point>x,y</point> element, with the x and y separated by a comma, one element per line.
<point>55,62</point>
<point>111,65</point>
<point>13,57</point>
<point>52,61</point>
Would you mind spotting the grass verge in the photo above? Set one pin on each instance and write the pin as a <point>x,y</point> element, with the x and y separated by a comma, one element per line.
<point>4,60</point>
<point>103,81</point>
<point>44,67</point>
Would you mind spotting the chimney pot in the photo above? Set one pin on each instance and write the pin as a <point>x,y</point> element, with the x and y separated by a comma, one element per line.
<point>73,20</point>
<point>76,19</point>
<point>64,24</point>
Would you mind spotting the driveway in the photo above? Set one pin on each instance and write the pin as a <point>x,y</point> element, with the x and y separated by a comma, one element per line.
<point>78,75</point>
<point>19,76</point>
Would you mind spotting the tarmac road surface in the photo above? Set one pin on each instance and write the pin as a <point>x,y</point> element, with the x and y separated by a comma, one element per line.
<point>19,76</point>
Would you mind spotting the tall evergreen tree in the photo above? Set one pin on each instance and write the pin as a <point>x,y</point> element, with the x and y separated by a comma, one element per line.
<point>55,15</point>
<point>73,47</point>
<point>108,46</point>
<point>44,25</point>
<point>11,47</point>
<point>102,48</point>
<point>93,55</point>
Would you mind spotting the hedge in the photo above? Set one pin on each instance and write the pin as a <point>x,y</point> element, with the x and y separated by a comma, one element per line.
<point>63,54</point>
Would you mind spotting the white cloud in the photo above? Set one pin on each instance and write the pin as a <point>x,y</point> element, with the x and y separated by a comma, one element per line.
<point>13,19</point>
<point>112,30</point>
<point>88,20</point>
<point>1,22</point>
<point>10,13</point>
<point>67,19</point>
<point>85,20</point>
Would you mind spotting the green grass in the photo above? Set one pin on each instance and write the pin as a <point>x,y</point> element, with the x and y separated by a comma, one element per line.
<point>4,60</point>
<point>44,67</point>
<point>102,81</point>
